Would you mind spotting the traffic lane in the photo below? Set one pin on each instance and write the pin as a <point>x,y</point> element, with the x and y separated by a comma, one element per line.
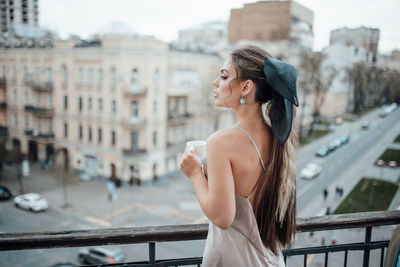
<point>335,164</point>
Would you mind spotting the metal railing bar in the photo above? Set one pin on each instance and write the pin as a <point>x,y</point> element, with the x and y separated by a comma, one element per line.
<point>382,256</point>
<point>158,263</point>
<point>326,259</point>
<point>305,260</point>
<point>335,248</point>
<point>152,252</point>
<point>368,232</point>
<point>345,258</point>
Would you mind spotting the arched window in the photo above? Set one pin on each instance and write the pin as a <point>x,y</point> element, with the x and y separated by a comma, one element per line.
<point>135,80</point>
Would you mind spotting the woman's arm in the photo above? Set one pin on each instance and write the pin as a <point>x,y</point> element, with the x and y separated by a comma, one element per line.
<point>216,195</point>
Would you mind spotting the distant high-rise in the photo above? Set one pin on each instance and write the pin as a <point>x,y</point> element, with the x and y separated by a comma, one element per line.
<point>368,38</point>
<point>273,21</point>
<point>18,12</point>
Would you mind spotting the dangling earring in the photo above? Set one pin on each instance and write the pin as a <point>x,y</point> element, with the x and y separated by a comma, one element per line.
<point>243,100</point>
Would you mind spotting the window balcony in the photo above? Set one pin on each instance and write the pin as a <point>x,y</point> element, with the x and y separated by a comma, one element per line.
<point>134,123</point>
<point>39,135</point>
<point>177,118</point>
<point>135,91</point>
<point>3,105</point>
<point>3,131</point>
<point>42,112</point>
<point>132,152</point>
<point>40,86</point>
<point>175,233</point>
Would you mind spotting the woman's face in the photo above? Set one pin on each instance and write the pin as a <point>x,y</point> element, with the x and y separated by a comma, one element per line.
<point>227,93</point>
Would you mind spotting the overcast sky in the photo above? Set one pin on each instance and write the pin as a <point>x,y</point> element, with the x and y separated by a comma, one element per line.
<point>163,18</point>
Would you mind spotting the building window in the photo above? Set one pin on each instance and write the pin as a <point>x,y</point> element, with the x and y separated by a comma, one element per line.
<point>15,97</point>
<point>26,73</point>
<point>80,76</point>
<point>113,108</point>
<point>37,74</point>
<point>113,78</point>
<point>64,76</point>
<point>135,80</point>
<point>37,96</point>
<point>38,125</point>
<point>15,121</point>
<point>14,74</point>
<point>26,122</point>
<point>4,72</point>
<point>155,108</point>
<point>65,130</point>
<point>49,75</point>
<point>100,105</point>
<point>80,104</point>
<point>50,127</point>
<point>155,138</point>
<point>90,76</point>
<point>89,105</point>
<point>134,110</point>
<point>100,77</point>
<point>156,77</point>
<point>99,136</point>
<point>80,132</point>
<point>134,140</point>
<point>49,101</point>
<point>90,134</point>
<point>113,138</point>
<point>65,102</point>
<point>26,98</point>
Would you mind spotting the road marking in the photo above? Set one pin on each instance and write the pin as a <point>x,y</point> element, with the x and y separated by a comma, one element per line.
<point>118,211</point>
<point>144,206</point>
<point>97,221</point>
<point>182,215</point>
<point>161,210</point>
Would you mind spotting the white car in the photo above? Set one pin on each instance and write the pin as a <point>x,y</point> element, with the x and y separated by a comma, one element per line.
<point>31,201</point>
<point>310,171</point>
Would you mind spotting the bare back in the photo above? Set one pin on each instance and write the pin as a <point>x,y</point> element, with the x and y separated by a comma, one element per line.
<point>244,159</point>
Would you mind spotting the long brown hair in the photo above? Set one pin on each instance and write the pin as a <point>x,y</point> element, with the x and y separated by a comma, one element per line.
<point>275,195</point>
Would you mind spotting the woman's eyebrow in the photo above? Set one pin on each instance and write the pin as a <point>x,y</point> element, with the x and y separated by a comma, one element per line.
<point>222,70</point>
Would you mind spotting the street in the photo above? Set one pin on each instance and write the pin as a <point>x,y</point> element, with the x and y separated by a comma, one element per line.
<point>171,200</point>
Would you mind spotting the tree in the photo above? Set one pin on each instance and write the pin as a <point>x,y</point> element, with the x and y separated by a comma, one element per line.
<point>314,78</point>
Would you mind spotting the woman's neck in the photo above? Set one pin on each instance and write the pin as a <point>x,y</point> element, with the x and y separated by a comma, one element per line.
<point>251,114</point>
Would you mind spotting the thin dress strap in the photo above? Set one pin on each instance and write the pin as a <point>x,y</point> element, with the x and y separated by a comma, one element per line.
<point>259,156</point>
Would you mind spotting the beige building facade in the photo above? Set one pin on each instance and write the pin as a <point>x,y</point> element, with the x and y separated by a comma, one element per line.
<point>122,107</point>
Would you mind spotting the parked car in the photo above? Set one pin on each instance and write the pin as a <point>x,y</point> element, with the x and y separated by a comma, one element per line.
<point>322,151</point>
<point>310,171</point>
<point>344,139</point>
<point>334,144</point>
<point>31,201</point>
<point>5,194</point>
<point>100,255</point>
<point>365,125</point>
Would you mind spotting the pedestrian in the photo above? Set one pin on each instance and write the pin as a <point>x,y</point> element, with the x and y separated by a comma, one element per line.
<point>251,166</point>
<point>325,193</point>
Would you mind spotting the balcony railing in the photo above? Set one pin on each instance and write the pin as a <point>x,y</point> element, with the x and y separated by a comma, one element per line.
<point>3,105</point>
<point>44,112</point>
<point>3,130</point>
<point>3,82</point>
<point>45,136</point>
<point>134,122</point>
<point>133,152</point>
<point>135,92</point>
<point>176,118</point>
<point>153,235</point>
<point>40,86</point>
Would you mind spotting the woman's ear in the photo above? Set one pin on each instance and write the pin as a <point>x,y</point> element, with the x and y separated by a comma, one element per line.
<point>248,87</point>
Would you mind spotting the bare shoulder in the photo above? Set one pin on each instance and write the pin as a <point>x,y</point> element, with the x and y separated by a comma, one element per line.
<point>223,138</point>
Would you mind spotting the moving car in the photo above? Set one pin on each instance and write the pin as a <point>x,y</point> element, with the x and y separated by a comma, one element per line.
<point>101,255</point>
<point>310,171</point>
<point>31,201</point>
<point>322,151</point>
<point>5,194</point>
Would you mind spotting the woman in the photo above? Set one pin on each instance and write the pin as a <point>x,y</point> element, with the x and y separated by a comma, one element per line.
<point>248,188</point>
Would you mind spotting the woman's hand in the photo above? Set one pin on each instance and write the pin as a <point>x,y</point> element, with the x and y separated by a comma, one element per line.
<point>191,164</point>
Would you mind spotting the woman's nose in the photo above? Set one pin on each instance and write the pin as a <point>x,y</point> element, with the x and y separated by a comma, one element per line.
<point>215,82</point>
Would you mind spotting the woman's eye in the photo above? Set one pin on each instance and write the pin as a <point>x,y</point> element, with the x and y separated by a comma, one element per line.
<point>223,77</point>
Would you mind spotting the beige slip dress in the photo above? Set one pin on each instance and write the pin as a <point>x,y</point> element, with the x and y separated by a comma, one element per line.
<point>240,245</point>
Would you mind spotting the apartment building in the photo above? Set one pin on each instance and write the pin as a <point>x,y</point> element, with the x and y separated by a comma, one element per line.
<point>119,106</point>
<point>18,12</point>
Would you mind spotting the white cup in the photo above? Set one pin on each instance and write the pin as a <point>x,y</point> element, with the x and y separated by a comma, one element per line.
<point>199,147</point>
